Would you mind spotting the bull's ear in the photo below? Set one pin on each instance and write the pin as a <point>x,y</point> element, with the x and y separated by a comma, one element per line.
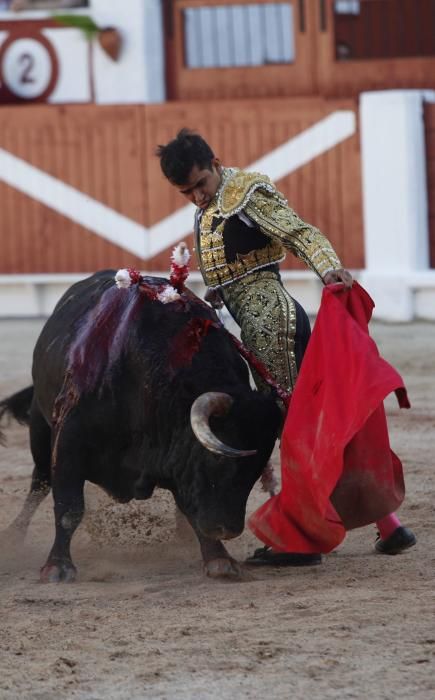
<point>213,403</point>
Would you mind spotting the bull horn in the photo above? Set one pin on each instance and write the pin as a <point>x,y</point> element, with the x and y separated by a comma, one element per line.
<point>213,403</point>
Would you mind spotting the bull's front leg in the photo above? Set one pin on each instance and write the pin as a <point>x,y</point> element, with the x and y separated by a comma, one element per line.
<point>217,562</point>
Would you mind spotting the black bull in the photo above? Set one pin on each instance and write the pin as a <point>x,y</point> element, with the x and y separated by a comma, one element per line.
<point>130,393</point>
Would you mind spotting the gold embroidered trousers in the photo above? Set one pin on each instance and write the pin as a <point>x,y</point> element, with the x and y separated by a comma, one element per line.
<point>273,325</point>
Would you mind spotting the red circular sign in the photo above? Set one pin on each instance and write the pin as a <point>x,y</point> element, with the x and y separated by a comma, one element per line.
<point>29,67</point>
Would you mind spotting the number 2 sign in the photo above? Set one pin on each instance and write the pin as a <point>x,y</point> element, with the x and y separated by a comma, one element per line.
<point>28,68</point>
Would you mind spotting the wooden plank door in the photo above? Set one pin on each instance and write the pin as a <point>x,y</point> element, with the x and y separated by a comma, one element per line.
<point>239,48</point>
<point>374,45</point>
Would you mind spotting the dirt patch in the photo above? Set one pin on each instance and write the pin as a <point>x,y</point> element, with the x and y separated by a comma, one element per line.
<point>143,622</point>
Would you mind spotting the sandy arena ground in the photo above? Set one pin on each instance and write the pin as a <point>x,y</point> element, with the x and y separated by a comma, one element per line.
<point>143,622</point>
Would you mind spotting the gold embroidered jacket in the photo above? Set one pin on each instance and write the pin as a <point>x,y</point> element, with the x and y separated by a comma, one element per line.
<point>248,225</point>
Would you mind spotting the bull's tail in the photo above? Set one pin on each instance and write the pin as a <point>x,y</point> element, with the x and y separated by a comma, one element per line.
<point>16,406</point>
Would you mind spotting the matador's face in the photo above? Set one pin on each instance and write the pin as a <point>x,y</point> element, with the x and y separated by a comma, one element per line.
<point>202,184</point>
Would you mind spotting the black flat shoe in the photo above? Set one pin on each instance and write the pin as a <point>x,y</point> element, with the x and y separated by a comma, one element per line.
<point>265,556</point>
<point>402,538</point>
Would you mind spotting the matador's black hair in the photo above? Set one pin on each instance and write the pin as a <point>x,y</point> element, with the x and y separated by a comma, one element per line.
<point>181,154</point>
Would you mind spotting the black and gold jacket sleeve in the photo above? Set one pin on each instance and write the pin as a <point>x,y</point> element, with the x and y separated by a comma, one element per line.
<point>249,225</point>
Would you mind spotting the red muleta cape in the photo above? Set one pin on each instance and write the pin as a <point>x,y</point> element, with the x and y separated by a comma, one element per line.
<point>338,471</point>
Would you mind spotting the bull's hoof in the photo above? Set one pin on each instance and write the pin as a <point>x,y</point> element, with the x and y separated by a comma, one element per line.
<point>224,568</point>
<point>58,572</point>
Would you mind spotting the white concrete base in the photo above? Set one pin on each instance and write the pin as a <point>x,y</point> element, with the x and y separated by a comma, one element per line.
<point>37,295</point>
<point>422,285</point>
<point>407,299</point>
<point>401,299</point>
<point>393,298</point>
<point>32,295</point>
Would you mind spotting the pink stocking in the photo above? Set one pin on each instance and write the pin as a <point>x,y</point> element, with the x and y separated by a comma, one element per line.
<point>388,525</point>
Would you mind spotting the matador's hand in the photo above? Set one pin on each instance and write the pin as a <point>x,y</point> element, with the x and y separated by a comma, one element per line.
<point>213,297</point>
<point>341,275</point>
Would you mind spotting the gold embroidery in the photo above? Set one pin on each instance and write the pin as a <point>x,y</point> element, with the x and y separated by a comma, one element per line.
<point>266,315</point>
<point>258,197</point>
<point>238,187</point>
<point>305,241</point>
<point>217,271</point>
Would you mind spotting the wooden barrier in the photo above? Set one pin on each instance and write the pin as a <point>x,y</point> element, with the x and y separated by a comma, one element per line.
<point>107,153</point>
<point>96,150</point>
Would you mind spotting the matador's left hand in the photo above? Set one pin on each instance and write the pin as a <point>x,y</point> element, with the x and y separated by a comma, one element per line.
<point>341,275</point>
<point>214,298</point>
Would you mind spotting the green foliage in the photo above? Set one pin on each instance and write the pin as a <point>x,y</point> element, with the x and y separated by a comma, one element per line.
<point>86,24</point>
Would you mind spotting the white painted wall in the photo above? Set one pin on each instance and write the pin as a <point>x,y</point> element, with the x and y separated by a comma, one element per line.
<point>395,206</point>
<point>137,77</point>
<point>73,54</point>
<point>139,74</point>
